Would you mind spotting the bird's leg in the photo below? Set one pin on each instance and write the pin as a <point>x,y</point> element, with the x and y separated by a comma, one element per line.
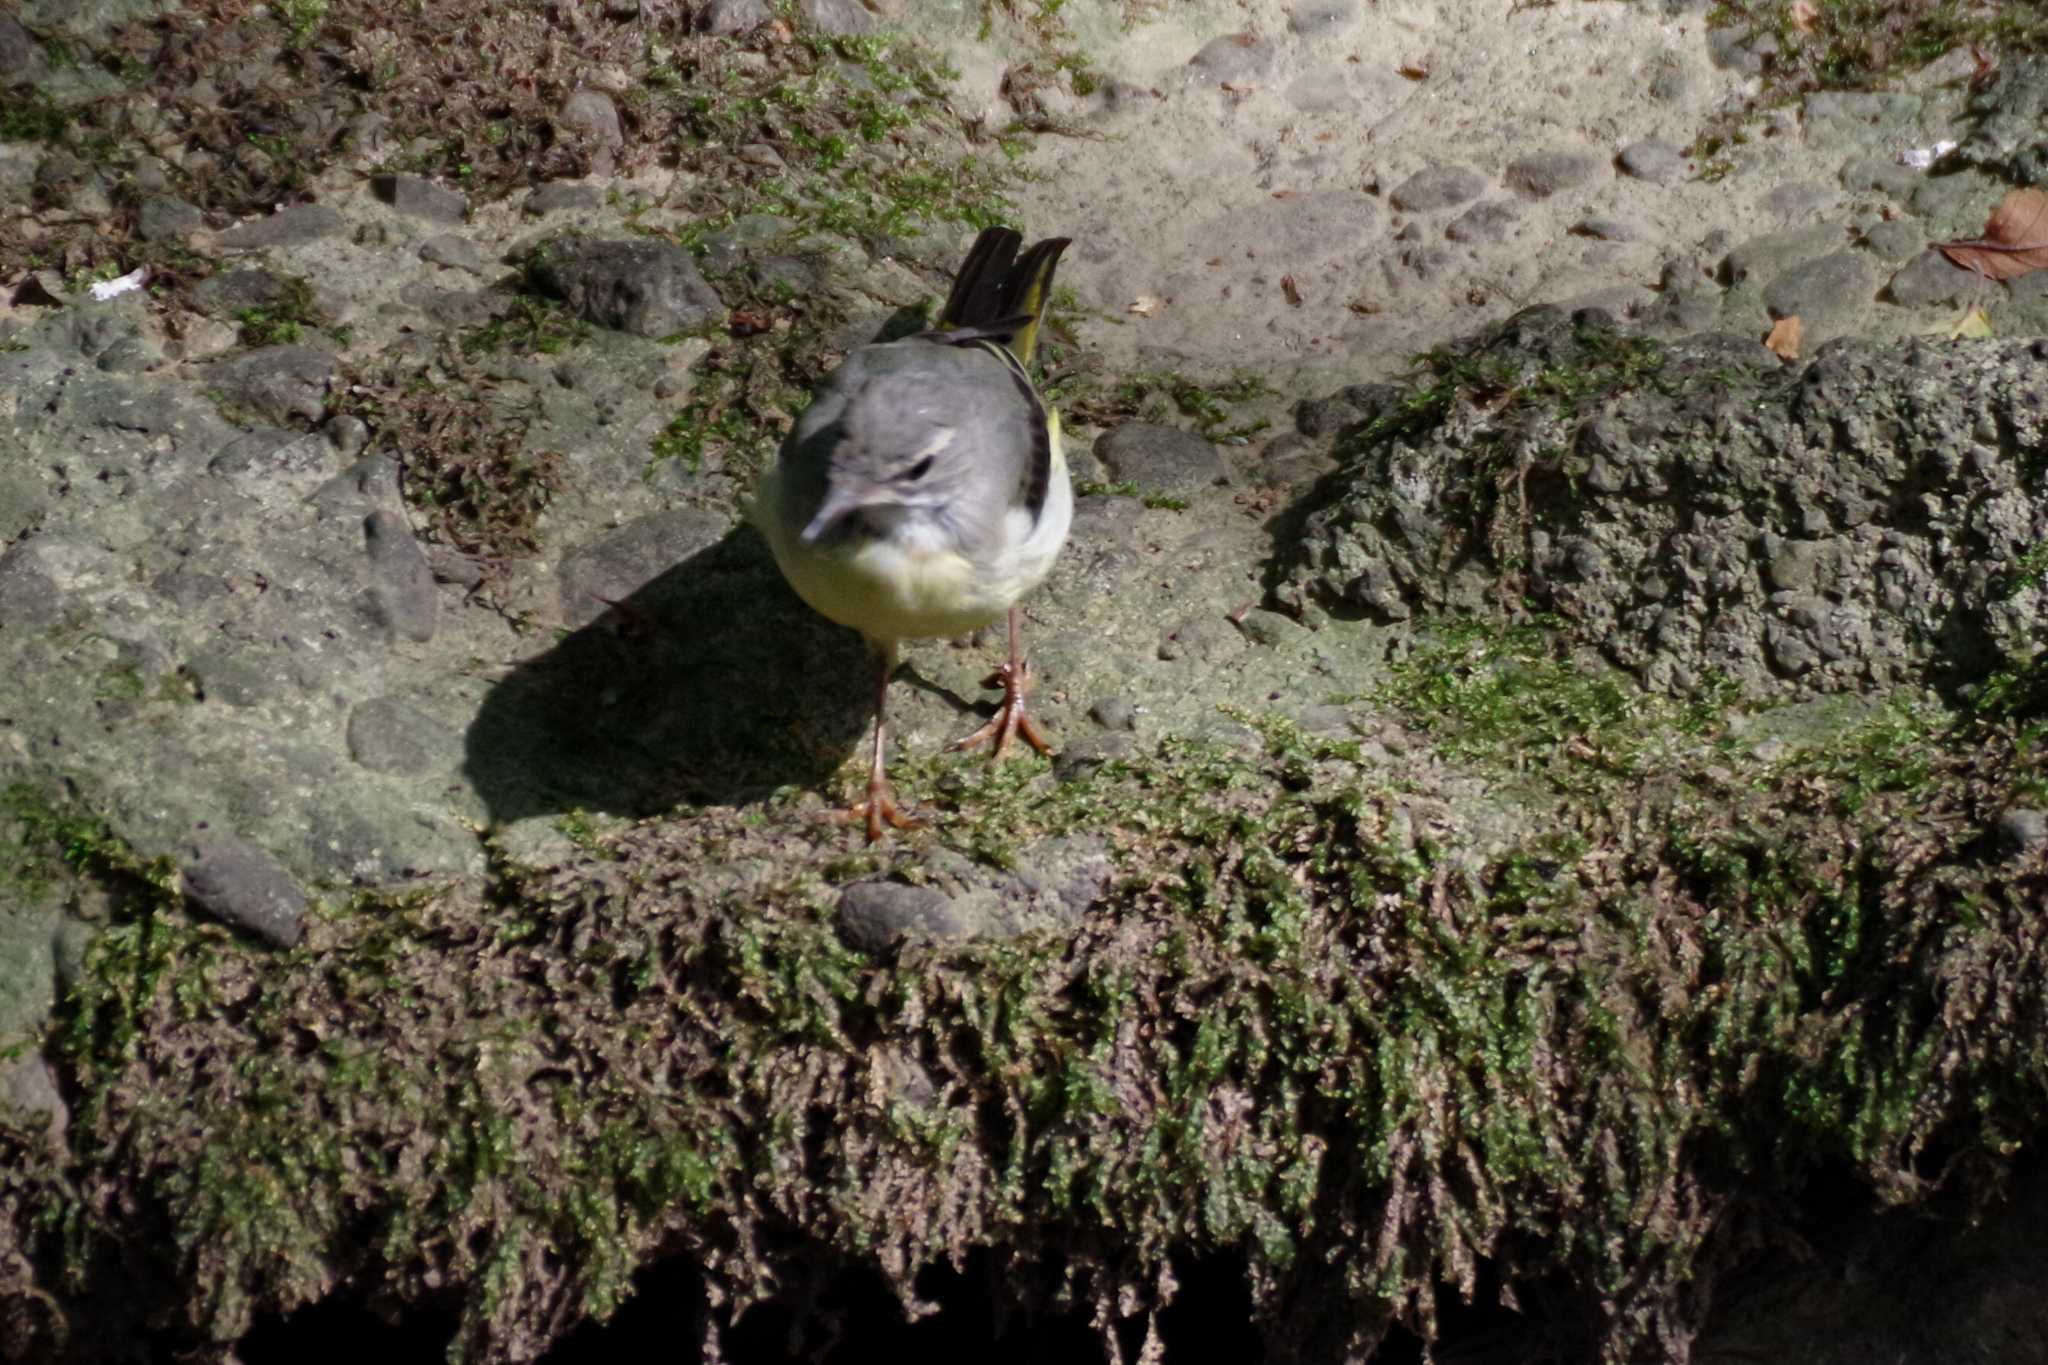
<point>881,803</point>
<point>1010,720</point>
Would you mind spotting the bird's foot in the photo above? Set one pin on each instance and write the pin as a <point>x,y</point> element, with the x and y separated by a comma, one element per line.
<point>1010,719</point>
<point>879,808</point>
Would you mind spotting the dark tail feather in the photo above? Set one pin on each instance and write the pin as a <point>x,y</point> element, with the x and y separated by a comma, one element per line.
<point>999,295</point>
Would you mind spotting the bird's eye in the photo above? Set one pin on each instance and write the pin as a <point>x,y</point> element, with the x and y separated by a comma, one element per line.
<point>919,470</point>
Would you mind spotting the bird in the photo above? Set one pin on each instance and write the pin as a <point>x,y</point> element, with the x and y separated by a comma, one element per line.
<point>924,492</point>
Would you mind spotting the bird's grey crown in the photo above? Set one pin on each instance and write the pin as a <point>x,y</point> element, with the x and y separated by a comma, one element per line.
<point>891,407</point>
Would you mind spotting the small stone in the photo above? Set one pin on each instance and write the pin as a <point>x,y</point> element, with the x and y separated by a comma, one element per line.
<point>167,218</point>
<point>1543,174</point>
<point>1322,20</point>
<point>1204,639</point>
<point>295,226</point>
<point>1083,758</point>
<point>1931,280</point>
<point>1603,229</point>
<point>2022,829</point>
<point>1232,59</point>
<point>28,1091</point>
<point>231,291</point>
<point>402,594</point>
<point>1653,160</point>
<point>727,17</point>
<point>1775,252</point>
<point>1437,187</point>
<point>1269,628</point>
<point>1894,241</point>
<point>1487,223</point>
<point>874,915</point>
<point>1738,49</point>
<point>1114,713</point>
<point>417,197</point>
<point>591,114</point>
<point>1881,173</point>
<point>645,287</point>
<point>278,382</point>
<point>836,18</point>
<point>562,196</point>
<point>239,884</point>
<point>266,453</point>
<point>1160,459</point>
<point>457,253</point>
<point>17,46</point>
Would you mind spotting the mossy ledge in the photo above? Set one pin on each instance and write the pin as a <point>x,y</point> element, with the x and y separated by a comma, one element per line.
<point>1314,1025</point>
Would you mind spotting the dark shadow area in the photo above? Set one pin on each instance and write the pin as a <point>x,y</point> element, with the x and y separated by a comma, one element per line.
<point>345,1330</point>
<point>712,682</point>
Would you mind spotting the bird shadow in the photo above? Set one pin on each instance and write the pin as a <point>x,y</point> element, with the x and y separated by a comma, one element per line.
<point>711,684</point>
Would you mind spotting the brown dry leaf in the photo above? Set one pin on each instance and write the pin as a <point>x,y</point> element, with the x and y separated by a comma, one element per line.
<point>1145,305</point>
<point>1291,290</point>
<point>1414,71</point>
<point>1785,336</point>
<point>1804,15</point>
<point>2015,240</point>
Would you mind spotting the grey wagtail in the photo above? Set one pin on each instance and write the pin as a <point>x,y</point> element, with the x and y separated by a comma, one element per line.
<point>923,491</point>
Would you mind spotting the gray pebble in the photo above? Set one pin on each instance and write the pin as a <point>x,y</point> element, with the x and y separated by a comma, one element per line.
<point>1931,280</point>
<point>1233,58</point>
<point>17,47</point>
<point>457,253</point>
<point>2022,829</point>
<point>1438,187</point>
<point>562,196</point>
<point>1894,241</point>
<point>645,287</point>
<point>417,197</point>
<point>1653,160</point>
<point>402,591</point>
<point>1204,639</point>
<point>1114,713</point>
<point>28,1090</point>
<point>1881,173</point>
<point>1160,459</point>
<point>1488,223</point>
<point>591,114</point>
<point>278,382</point>
<point>295,226</point>
<point>873,915</point>
<point>239,884</point>
<point>623,560</point>
<point>727,17</point>
<point>167,218</point>
<point>1737,49</point>
<point>230,291</point>
<point>1769,255</point>
<point>1543,174</point>
<point>1269,628</point>
<point>1829,295</point>
<point>1324,19</point>
<point>838,18</point>
<point>1084,757</point>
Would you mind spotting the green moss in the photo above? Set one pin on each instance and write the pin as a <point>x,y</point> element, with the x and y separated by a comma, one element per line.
<point>1864,44</point>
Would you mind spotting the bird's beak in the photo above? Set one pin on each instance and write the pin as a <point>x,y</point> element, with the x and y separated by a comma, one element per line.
<point>840,500</point>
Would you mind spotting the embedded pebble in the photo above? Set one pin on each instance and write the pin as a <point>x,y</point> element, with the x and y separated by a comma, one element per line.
<point>1160,459</point>
<point>239,884</point>
<point>1439,187</point>
<point>402,591</point>
<point>417,197</point>
<point>1543,174</point>
<point>1653,160</point>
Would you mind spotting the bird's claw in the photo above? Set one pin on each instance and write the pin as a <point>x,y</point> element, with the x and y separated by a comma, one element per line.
<point>1010,719</point>
<point>880,807</point>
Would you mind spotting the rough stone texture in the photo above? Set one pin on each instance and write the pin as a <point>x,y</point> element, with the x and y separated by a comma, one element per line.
<point>591,114</point>
<point>417,197</point>
<point>1160,459</point>
<point>402,592</point>
<point>1233,58</point>
<point>645,287</point>
<point>1931,280</point>
<point>280,383</point>
<point>1851,524</point>
<point>1049,889</point>
<point>1653,160</point>
<point>1829,295</point>
<point>239,884</point>
<point>1439,187</point>
<point>295,226</point>
<point>726,17</point>
<point>1543,174</point>
<point>1482,223</point>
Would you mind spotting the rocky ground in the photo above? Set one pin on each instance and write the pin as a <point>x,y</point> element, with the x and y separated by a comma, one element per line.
<point>379,631</point>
